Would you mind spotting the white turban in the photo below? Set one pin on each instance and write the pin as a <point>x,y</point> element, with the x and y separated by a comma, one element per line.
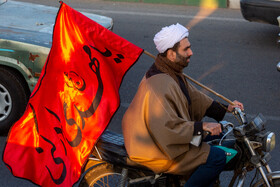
<point>170,35</point>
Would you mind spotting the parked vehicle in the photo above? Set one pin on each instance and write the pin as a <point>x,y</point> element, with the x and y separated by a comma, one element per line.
<point>109,164</point>
<point>265,11</point>
<point>25,41</point>
<point>278,66</point>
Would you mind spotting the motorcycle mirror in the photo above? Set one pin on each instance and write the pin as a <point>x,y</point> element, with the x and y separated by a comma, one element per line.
<point>241,115</point>
<point>278,66</point>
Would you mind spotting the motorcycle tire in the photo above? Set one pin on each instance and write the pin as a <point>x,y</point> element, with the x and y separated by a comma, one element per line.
<point>103,175</point>
<point>276,183</point>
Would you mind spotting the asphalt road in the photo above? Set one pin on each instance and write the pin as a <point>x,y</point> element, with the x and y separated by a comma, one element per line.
<point>234,57</point>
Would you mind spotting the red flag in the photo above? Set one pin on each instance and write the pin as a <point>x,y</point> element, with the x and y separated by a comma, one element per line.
<point>73,102</point>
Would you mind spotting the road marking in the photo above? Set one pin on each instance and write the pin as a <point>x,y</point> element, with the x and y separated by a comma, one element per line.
<point>252,116</point>
<point>162,15</point>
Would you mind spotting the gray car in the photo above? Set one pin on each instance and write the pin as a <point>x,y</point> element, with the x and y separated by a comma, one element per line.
<point>265,11</point>
<point>25,41</point>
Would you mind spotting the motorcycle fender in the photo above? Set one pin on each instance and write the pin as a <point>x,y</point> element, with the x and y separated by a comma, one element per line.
<point>270,176</point>
<point>88,167</point>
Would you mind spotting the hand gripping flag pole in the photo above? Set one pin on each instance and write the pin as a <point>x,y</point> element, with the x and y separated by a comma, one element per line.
<point>198,83</point>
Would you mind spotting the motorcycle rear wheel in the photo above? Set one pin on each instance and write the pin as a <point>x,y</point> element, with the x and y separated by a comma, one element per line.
<point>104,175</point>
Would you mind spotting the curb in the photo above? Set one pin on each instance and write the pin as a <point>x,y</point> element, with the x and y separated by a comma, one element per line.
<point>233,4</point>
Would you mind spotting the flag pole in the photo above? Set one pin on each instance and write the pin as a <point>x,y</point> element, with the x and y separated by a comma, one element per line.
<point>198,83</point>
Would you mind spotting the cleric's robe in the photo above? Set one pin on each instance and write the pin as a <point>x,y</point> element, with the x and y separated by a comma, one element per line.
<point>159,124</point>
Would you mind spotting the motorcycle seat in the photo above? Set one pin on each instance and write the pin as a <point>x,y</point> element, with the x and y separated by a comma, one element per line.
<point>111,149</point>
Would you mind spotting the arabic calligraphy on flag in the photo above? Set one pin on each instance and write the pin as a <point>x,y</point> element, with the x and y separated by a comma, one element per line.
<point>73,102</point>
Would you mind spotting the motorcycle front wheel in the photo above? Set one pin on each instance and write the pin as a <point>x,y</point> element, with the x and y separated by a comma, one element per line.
<point>276,183</point>
<point>104,175</point>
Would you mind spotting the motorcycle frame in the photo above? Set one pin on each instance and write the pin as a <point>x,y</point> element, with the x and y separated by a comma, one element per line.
<point>261,162</point>
<point>152,178</point>
<point>242,176</point>
<point>252,154</point>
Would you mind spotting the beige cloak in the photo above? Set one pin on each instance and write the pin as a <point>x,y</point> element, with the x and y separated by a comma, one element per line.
<point>159,124</point>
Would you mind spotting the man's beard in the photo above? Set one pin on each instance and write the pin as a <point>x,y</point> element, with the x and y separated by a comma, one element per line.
<point>183,61</point>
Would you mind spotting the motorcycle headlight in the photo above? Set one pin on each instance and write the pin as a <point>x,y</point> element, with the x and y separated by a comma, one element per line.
<point>269,142</point>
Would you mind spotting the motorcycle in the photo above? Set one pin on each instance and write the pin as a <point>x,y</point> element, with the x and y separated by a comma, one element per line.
<point>109,164</point>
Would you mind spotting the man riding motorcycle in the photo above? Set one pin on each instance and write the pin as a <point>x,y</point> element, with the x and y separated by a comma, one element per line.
<point>167,112</point>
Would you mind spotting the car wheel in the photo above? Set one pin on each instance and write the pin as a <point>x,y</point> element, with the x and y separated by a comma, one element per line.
<point>13,99</point>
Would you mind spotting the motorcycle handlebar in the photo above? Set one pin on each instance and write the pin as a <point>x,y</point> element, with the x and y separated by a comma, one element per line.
<point>226,126</point>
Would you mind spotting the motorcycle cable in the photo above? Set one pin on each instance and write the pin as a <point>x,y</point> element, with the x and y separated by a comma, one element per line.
<point>256,173</point>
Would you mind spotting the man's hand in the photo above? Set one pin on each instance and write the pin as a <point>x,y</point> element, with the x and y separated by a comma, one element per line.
<point>237,104</point>
<point>213,128</point>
